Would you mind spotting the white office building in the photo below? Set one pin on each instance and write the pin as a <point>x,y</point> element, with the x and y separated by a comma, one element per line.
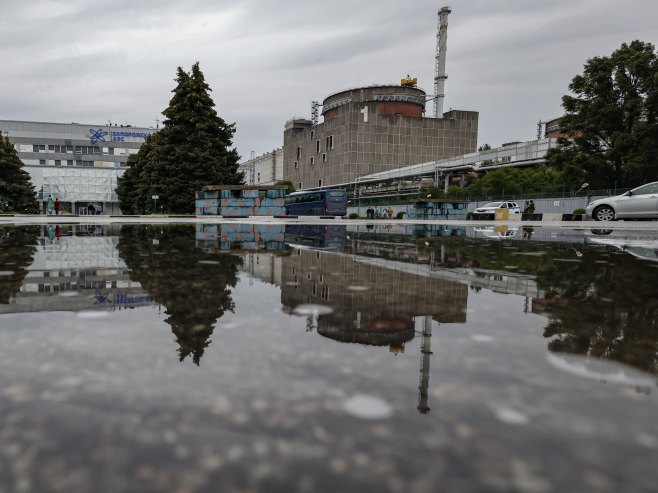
<point>77,163</point>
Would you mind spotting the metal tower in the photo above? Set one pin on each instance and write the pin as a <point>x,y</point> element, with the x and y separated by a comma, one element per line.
<point>440,75</point>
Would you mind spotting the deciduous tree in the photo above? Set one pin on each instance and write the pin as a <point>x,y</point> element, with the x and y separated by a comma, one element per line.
<point>612,119</point>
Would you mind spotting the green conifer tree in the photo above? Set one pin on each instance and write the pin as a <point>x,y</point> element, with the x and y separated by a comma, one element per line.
<point>192,149</point>
<point>17,192</point>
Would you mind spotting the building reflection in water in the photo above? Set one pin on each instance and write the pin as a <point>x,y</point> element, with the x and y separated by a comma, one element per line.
<point>358,299</point>
<point>67,268</point>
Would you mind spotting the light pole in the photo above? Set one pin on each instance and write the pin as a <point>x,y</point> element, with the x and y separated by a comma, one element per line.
<point>585,185</point>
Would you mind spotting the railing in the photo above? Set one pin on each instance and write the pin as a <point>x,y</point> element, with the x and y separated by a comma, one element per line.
<point>391,195</point>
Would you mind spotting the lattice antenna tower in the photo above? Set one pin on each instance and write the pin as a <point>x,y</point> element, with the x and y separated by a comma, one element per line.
<point>440,75</point>
<point>315,112</point>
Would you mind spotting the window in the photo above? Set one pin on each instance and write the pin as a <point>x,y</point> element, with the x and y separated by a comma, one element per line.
<point>312,160</point>
<point>300,185</point>
<point>296,165</point>
<point>42,161</point>
<point>312,134</point>
<point>111,151</point>
<point>324,157</point>
<point>319,183</point>
<point>58,162</point>
<point>69,162</point>
<point>317,147</point>
<point>35,148</point>
<point>258,178</point>
<point>51,148</point>
<point>330,142</point>
<point>299,152</point>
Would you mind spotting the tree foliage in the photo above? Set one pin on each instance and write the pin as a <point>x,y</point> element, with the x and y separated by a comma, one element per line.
<point>286,183</point>
<point>612,119</point>
<point>17,192</point>
<point>192,149</point>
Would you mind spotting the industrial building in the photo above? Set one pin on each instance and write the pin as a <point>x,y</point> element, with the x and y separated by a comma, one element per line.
<point>77,163</point>
<point>266,169</point>
<point>373,129</point>
<point>369,130</point>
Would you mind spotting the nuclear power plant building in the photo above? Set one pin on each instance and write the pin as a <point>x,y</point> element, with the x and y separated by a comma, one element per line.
<point>369,130</point>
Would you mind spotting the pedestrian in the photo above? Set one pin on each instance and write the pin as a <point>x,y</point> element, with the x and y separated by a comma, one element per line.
<point>91,209</point>
<point>390,212</point>
<point>56,206</point>
<point>526,207</point>
<point>531,207</point>
<point>50,205</point>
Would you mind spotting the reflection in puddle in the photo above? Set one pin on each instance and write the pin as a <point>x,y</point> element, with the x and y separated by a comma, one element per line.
<point>424,353</point>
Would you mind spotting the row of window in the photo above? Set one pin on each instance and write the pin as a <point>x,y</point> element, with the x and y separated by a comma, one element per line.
<point>312,160</point>
<point>329,144</point>
<point>76,162</point>
<point>70,149</point>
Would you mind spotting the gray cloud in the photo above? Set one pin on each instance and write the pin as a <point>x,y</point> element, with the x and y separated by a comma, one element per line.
<point>511,60</point>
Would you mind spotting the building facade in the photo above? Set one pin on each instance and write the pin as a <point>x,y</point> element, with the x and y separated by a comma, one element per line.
<point>77,163</point>
<point>264,170</point>
<point>369,130</point>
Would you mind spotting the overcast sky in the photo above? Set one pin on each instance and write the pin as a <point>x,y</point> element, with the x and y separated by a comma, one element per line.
<point>266,60</point>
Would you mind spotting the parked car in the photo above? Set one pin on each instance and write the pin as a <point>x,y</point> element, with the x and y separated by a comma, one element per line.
<point>639,203</point>
<point>491,207</point>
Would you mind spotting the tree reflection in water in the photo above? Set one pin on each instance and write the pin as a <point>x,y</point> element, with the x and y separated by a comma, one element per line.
<point>192,285</point>
<point>17,247</point>
<point>607,311</point>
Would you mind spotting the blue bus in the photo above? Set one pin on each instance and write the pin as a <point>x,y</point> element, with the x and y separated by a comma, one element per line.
<point>317,203</point>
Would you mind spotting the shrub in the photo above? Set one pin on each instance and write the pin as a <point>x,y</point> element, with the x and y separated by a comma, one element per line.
<point>353,215</point>
<point>580,210</point>
<point>399,215</point>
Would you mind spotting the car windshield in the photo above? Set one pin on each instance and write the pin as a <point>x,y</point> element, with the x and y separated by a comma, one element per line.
<point>493,204</point>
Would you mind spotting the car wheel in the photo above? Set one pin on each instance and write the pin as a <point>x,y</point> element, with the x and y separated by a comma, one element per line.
<point>604,213</point>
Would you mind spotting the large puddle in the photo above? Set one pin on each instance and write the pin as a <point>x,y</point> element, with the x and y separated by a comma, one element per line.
<point>295,358</point>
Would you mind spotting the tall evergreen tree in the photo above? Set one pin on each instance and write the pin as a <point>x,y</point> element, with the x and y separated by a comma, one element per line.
<point>612,118</point>
<point>193,149</point>
<point>17,192</point>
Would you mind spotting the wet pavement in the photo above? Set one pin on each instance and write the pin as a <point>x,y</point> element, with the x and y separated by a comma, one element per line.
<point>328,357</point>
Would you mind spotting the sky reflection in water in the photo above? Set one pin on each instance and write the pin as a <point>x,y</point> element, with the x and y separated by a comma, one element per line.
<point>327,358</point>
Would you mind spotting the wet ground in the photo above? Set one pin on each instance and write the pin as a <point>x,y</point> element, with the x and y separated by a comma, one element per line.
<point>328,357</point>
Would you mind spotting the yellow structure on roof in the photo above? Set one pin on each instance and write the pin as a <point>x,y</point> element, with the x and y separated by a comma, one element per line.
<point>408,81</point>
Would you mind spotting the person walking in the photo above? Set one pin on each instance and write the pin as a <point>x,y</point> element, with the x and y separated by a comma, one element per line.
<point>531,207</point>
<point>390,212</point>
<point>50,205</point>
<point>56,206</point>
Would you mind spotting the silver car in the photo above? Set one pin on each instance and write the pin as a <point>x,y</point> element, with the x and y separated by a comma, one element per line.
<point>639,203</point>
